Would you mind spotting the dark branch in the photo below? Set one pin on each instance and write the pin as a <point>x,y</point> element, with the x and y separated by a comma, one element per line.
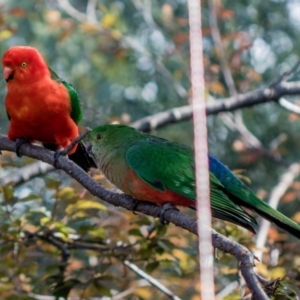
<point>244,256</point>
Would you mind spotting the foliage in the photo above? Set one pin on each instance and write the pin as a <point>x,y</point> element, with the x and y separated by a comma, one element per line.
<point>129,59</point>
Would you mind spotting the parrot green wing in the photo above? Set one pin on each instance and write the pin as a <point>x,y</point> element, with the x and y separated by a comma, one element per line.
<point>76,111</point>
<point>224,208</point>
<point>172,165</point>
<point>172,168</point>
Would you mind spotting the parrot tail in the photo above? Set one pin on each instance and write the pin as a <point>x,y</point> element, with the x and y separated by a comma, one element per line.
<point>276,217</point>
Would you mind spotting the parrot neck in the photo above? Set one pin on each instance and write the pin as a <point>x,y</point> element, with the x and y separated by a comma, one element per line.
<point>112,164</point>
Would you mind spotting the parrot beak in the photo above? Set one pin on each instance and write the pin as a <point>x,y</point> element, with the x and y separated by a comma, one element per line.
<point>8,73</point>
<point>88,148</point>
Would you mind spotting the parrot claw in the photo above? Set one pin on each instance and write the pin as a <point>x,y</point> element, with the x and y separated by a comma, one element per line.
<point>165,207</point>
<point>19,143</point>
<point>134,205</point>
<point>57,154</point>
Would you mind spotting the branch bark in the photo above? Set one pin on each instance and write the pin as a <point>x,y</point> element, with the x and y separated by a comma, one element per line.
<point>249,99</point>
<point>219,241</point>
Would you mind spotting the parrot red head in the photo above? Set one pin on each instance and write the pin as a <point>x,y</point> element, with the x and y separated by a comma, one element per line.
<point>23,63</point>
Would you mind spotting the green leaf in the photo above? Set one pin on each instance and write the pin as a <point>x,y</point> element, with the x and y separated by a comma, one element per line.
<point>30,197</point>
<point>66,194</point>
<point>8,194</point>
<point>166,245</point>
<point>152,266</point>
<point>52,183</point>
<point>135,232</point>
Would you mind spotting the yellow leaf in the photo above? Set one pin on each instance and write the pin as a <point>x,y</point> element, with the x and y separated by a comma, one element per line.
<point>228,270</point>
<point>263,270</point>
<point>84,204</point>
<point>5,34</point>
<point>116,34</point>
<point>143,292</point>
<point>45,220</point>
<point>166,256</point>
<point>109,20</point>
<point>180,254</point>
<point>89,28</point>
<point>277,272</point>
<point>97,232</point>
<point>296,217</point>
<point>66,193</point>
<point>217,87</point>
<point>79,215</point>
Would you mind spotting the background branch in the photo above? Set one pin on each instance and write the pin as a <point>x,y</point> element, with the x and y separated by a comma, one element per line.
<point>26,173</point>
<point>221,105</point>
<point>151,280</point>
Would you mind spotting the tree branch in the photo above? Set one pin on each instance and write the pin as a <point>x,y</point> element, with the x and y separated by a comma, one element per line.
<point>289,106</point>
<point>151,280</point>
<point>244,256</point>
<point>24,174</point>
<point>222,105</point>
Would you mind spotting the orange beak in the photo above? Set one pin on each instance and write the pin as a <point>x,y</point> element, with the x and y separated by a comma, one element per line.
<point>7,73</point>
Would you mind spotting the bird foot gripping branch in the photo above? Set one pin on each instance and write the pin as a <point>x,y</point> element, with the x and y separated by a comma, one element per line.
<point>19,143</point>
<point>165,207</point>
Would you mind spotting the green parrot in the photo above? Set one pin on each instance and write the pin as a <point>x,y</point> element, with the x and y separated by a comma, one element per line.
<point>153,169</point>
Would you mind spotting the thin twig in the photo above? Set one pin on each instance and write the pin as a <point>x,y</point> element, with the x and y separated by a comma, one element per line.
<point>151,280</point>
<point>65,253</point>
<point>76,14</point>
<point>91,11</point>
<point>240,126</point>
<point>227,290</point>
<point>76,141</point>
<point>291,107</point>
<point>286,74</point>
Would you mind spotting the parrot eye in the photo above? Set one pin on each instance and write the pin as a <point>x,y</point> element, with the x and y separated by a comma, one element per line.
<point>23,64</point>
<point>99,136</point>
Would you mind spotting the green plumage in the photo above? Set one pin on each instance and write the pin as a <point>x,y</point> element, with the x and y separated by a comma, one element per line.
<point>168,166</point>
<point>80,157</point>
<point>76,111</point>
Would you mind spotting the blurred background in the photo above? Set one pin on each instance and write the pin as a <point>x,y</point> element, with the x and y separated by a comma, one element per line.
<point>127,60</point>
